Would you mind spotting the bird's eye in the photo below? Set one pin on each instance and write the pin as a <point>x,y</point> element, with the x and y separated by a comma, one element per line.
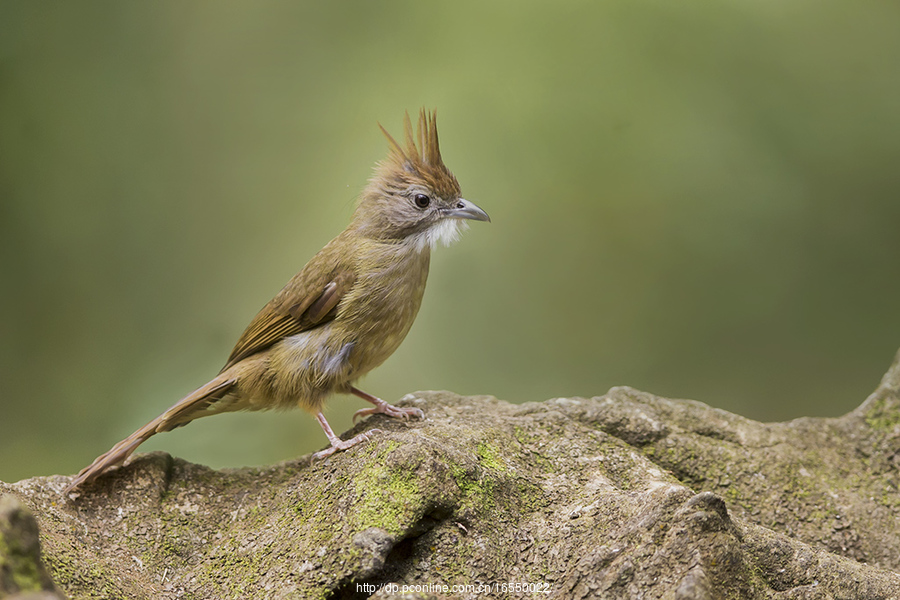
<point>422,201</point>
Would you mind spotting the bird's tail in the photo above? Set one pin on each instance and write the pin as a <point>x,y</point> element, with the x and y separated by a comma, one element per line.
<point>199,403</point>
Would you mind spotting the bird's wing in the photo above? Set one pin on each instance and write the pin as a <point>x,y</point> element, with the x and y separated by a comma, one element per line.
<point>308,300</point>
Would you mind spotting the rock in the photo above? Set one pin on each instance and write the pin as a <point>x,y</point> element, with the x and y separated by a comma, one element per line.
<point>23,575</point>
<point>620,496</point>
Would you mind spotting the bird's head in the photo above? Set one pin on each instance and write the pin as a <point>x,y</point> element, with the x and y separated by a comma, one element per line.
<point>412,196</point>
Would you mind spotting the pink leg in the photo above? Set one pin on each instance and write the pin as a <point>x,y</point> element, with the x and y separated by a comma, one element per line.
<point>383,407</point>
<point>336,442</point>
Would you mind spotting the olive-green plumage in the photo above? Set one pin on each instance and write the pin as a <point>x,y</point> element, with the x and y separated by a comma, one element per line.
<point>346,311</point>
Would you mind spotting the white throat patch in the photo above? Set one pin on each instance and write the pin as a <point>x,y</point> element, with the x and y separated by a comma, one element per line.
<point>445,231</point>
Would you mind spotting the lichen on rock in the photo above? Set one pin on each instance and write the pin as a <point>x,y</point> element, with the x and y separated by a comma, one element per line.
<point>22,572</point>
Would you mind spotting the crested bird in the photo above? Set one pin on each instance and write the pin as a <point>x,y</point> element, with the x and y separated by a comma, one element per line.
<point>345,312</point>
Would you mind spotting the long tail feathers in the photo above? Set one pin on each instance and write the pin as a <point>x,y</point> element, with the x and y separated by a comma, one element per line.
<point>201,402</point>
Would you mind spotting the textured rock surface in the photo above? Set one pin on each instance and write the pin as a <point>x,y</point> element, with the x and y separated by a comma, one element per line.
<point>22,572</point>
<point>621,496</point>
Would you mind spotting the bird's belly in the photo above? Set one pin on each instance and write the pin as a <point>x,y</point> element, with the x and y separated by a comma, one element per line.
<point>309,366</point>
<point>373,349</point>
<point>306,367</point>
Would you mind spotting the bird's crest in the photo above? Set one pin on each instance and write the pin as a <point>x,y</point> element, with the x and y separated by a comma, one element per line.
<point>422,155</point>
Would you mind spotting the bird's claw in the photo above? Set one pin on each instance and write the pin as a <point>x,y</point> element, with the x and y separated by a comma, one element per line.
<point>399,412</point>
<point>343,445</point>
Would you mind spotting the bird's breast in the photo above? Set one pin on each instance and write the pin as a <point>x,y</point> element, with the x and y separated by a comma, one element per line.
<point>383,304</point>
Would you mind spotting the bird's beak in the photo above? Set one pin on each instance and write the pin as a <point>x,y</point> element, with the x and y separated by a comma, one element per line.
<point>463,209</point>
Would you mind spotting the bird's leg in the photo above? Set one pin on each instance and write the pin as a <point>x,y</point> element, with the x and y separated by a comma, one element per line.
<point>336,442</point>
<point>383,407</point>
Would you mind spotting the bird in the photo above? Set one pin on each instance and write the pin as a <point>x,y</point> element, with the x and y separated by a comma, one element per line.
<point>345,312</point>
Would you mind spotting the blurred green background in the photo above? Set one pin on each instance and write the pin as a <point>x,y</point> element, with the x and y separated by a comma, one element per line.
<point>698,199</point>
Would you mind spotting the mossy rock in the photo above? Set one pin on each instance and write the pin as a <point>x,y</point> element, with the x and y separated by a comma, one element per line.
<point>624,495</point>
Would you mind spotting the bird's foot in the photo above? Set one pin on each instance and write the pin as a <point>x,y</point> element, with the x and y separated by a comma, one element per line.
<point>382,407</point>
<point>338,444</point>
